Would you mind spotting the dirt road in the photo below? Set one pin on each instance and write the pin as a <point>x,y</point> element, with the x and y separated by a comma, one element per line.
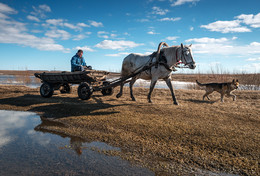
<point>195,137</point>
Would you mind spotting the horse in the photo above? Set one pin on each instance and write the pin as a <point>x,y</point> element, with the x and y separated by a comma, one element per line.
<point>164,62</point>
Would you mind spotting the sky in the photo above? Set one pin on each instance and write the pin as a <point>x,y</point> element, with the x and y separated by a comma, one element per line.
<point>45,34</point>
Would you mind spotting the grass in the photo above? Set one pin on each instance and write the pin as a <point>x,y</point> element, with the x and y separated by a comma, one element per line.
<point>170,140</point>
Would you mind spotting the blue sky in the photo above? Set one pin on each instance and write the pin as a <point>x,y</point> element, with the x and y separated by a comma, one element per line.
<point>45,34</point>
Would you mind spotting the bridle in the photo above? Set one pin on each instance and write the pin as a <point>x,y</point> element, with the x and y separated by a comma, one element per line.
<point>182,57</point>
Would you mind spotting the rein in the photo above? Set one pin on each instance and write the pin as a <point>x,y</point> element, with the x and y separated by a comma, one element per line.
<point>179,61</point>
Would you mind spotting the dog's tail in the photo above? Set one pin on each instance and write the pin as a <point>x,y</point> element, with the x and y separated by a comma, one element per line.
<point>200,83</point>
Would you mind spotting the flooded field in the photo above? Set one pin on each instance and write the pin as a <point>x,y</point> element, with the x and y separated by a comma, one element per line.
<point>33,82</point>
<point>26,149</point>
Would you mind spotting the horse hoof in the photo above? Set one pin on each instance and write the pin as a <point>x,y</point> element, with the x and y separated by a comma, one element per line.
<point>176,103</point>
<point>133,99</point>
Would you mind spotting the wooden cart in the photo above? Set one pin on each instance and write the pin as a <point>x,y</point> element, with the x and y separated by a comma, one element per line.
<point>89,81</point>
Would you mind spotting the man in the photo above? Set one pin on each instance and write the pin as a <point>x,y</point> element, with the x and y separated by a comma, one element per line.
<point>77,62</point>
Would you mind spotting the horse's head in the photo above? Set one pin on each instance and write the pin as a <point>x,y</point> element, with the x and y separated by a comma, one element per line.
<point>186,56</point>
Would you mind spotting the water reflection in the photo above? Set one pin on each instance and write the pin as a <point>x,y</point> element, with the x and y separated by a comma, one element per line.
<point>28,151</point>
<point>29,81</point>
<point>10,121</point>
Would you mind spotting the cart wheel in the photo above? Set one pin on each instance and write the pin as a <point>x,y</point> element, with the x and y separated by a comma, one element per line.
<point>46,90</point>
<point>85,91</point>
<point>108,91</point>
<point>66,88</point>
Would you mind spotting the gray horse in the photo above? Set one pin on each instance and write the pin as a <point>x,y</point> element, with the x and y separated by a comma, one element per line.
<point>166,58</point>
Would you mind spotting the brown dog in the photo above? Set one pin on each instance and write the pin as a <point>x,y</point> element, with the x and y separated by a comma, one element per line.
<point>222,88</point>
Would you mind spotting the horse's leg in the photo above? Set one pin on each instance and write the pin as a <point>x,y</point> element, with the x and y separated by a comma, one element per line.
<point>169,84</point>
<point>131,87</point>
<point>121,91</point>
<point>153,82</point>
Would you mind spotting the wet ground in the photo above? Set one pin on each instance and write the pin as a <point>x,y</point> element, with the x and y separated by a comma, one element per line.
<point>26,149</point>
<point>195,138</point>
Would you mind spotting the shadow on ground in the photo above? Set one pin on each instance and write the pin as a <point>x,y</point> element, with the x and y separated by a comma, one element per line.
<point>201,101</point>
<point>59,107</point>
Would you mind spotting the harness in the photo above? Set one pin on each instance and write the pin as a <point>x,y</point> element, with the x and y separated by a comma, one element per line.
<point>163,61</point>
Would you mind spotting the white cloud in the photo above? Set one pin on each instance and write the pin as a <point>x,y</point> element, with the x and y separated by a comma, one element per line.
<point>84,48</point>
<point>207,40</point>
<point>79,37</point>
<point>181,2</point>
<point>223,46</point>
<point>226,26</point>
<point>71,26</point>
<point>117,55</point>
<point>254,59</point>
<point>82,25</point>
<point>103,34</point>
<point>56,33</point>
<point>171,38</point>
<point>159,11</point>
<point>15,32</point>
<point>152,33</point>
<point>6,9</point>
<point>255,44</point>
<point>45,8</point>
<point>191,28</point>
<point>36,31</point>
<point>252,20</point>
<point>41,10</point>
<point>170,19</point>
<point>3,16</point>
<point>117,45</point>
<point>63,23</point>
<point>55,22</point>
<point>96,24</point>
<point>33,18</point>
<point>106,35</point>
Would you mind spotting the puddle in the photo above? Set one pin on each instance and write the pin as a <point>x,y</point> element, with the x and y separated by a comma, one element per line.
<point>25,149</point>
<point>29,81</point>
<point>161,84</point>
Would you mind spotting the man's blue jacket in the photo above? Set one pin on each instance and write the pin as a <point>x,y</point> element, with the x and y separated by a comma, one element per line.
<point>76,61</point>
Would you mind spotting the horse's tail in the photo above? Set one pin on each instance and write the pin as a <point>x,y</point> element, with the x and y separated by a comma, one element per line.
<point>200,83</point>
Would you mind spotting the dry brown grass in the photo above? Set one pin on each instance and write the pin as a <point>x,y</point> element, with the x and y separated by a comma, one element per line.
<point>169,139</point>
